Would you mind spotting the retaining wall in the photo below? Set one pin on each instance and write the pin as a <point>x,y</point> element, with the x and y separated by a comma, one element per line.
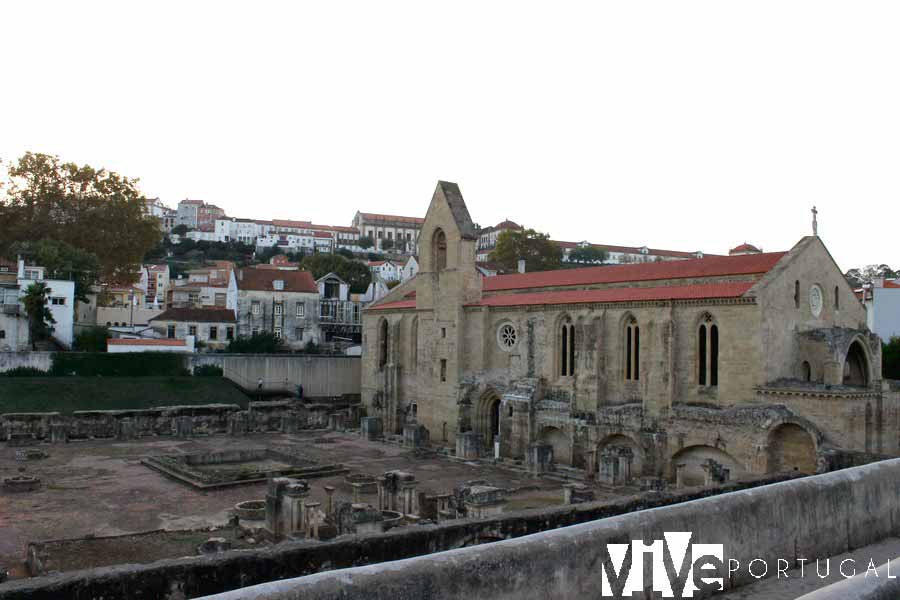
<point>814,517</point>
<point>178,579</point>
<point>322,376</point>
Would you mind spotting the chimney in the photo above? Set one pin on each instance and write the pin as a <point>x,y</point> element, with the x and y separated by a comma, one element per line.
<point>521,265</point>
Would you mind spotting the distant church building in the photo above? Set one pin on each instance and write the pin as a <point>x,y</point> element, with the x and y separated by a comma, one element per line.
<point>752,363</point>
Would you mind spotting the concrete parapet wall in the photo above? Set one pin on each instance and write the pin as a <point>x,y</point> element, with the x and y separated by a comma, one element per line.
<point>813,517</point>
<point>177,579</point>
<point>882,585</point>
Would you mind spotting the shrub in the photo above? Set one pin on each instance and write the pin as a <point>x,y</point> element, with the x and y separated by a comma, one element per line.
<point>92,340</point>
<point>137,364</point>
<point>261,343</point>
<point>890,359</point>
<point>24,372</point>
<point>208,371</point>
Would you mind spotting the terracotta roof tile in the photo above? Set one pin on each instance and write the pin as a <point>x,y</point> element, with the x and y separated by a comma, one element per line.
<point>637,294</point>
<point>396,304</point>
<point>196,315</point>
<point>145,342</point>
<point>392,218</point>
<point>712,266</point>
<point>262,280</point>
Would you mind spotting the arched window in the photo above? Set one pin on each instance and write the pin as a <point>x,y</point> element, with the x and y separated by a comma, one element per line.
<point>439,250</point>
<point>856,366</point>
<point>806,371</point>
<point>567,349</point>
<point>383,344</point>
<point>632,350</point>
<point>414,343</point>
<point>837,298</point>
<point>708,352</point>
<point>797,294</point>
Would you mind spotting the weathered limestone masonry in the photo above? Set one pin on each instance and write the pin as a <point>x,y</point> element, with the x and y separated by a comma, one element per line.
<point>760,362</point>
<point>285,416</point>
<point>813,517</point>
<point>176,579</point>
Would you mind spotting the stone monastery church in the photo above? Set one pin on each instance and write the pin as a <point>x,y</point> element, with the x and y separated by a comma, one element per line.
<point>752,363</point>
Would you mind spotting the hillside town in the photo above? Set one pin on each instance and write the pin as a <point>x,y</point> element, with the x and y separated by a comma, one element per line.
<point>449,301</point>
<point>207,306</point>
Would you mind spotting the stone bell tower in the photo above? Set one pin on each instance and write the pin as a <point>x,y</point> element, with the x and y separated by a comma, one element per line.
<point>446,282</point>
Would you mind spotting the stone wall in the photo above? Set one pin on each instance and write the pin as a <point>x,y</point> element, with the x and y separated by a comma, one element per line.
<point>192,577</point>
<point>205,419</point>
<point>810,518</point>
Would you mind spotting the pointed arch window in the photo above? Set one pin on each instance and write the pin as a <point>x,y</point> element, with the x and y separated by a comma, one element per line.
<point>567,348</point>
<point>708,352</point>
<point>439,250</point>
<point>383,344</point>
<point>632,350</point>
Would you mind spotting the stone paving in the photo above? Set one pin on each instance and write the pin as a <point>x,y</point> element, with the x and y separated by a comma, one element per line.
<point>100,488</point>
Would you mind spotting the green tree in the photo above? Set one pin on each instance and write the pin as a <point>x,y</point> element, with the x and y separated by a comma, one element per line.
<point>366,242</point>
<point>353,272</point>
<point>890,359</point>
<point>345,253</point>
<point>63,261</point>
<point>92,340</point>
<point>587,255</point>
<point>180,230</point>
<point>97,211</point>
<point>387,244</point>
<point>40,320</point>
<point>262,343</point>
<point>538,250</point>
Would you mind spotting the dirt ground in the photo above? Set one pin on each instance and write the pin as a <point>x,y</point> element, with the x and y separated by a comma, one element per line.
<point>100,488</point>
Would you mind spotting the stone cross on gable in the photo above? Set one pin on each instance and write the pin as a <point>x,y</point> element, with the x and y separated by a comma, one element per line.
<point>815,222</point>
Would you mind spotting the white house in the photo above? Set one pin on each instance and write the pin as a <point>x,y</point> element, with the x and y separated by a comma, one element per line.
<point>386,269</point>
<point>14,333</point>
<point>119,345</point>
<point>882,301</point>
<point>409,269</point>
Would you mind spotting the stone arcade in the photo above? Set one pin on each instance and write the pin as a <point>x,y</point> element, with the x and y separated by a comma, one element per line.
<point>715,368</point>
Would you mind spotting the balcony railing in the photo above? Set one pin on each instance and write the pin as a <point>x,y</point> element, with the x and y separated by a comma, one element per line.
<point>340,312</point>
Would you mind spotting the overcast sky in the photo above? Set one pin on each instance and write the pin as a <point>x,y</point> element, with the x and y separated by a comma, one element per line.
<point>679,125</point>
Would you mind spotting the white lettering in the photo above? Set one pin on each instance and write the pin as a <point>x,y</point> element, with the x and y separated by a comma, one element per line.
<point>765,568</point>
<point>841,568</point>
<point>780,570</point>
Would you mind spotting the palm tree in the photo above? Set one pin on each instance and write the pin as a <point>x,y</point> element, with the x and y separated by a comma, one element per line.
<point>40,320</point>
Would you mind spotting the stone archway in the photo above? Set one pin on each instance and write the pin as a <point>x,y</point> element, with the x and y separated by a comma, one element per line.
<point>562,447</point>
<point>694,457</point>
<point>791,448</point>
<point>856,366</point>
<point>487,417</point>
<point>626,451</point>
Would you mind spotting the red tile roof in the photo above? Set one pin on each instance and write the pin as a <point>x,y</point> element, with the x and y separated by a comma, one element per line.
<point>891,284</point>
<point>396,304</point>
<point>732,289</point>
<point>633,250</point>
<point>712,266</point>
<point>196,315</point>
<point>393,218</point>
<point>745,247</point>
<point>322,234</point>
<point>262,280</point>
<point>145,342</point>
<point>289,223</point>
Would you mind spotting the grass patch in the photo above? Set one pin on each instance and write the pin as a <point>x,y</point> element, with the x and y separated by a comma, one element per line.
<point>68,394</point>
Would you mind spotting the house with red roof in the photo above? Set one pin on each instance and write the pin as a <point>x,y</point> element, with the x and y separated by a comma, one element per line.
<point>751,363</point>
<point>281,302</point>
